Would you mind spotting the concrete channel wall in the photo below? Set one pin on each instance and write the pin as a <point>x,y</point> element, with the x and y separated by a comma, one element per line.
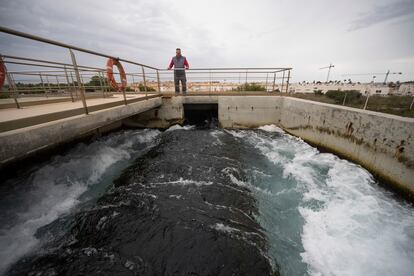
<point>20,143</point>
<point>382,143</point>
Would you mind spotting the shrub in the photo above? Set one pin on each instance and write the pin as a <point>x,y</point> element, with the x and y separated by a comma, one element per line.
<point>338,96</point>
<point>251,87</point>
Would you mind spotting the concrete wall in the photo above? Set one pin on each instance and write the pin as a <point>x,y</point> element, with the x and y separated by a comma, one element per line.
<point>20,143</point>
<point>169,113</point>
<point>249,111</point>
<point>380,142</point>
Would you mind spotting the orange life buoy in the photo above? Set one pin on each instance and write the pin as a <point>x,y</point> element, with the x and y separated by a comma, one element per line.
<point>2,73</point>
<point>110,74</point>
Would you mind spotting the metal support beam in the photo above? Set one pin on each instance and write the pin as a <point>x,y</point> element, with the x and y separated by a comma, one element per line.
<point>283,79</point>
<point>12,85</point>
<point>158,81</point>
<point>366,102</point>
<point>78,77</point>
<point>69,88</point>
<point>145,81</point>
<point>287,82</point>
<point>100,82</point>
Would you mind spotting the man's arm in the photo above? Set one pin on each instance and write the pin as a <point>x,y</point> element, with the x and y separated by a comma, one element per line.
<point>171,64</point>
<point>186,65</point>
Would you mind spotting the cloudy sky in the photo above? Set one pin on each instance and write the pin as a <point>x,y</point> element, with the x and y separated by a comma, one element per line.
<point>369,36</point>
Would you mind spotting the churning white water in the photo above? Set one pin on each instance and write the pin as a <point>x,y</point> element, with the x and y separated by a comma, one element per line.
<point>327,216</point>
<point>54,188</point>
<point>322,215</point>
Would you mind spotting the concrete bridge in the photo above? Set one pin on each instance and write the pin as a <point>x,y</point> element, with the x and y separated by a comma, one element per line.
<point>32,124</point>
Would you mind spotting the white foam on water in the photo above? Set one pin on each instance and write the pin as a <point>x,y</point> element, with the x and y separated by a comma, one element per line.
<point>57,186</point>
<point>271,128</point>
<point>359,230</point>
<point>183,182</point>
<point>356,228</point>
<point>178,127</point>
<point>216,134</point>
<point>224,228</point>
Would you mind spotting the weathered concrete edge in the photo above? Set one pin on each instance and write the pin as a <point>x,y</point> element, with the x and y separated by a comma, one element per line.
<point>18,144</point>
<point>325,125</point>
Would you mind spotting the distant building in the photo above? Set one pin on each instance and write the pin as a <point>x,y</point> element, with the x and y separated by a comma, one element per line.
<point>406,89</point>
<point>371,89</point>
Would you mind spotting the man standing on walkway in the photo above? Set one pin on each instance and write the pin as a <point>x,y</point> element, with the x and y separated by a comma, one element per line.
<point>180,64</point>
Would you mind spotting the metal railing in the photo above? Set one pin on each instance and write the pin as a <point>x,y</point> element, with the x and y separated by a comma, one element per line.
<point>34,78</point>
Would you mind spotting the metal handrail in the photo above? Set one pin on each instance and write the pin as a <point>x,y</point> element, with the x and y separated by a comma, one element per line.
<point>64,45</point>
<point>77,72</point>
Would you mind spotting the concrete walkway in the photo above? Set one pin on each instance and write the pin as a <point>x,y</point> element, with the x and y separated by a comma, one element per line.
<point>14,118</point>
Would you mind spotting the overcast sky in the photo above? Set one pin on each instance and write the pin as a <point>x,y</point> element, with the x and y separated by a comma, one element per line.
<point>358,36</point>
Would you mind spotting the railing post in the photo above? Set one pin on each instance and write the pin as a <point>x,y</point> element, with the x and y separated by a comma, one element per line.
<point>13,86</point>
<point>48,85</point>
<point>57,81</point>
<point>145,81</point>
<point>158,81</point>
<point>366,102</point>
<point>82,92</point>
<point>287,82</point>
<point>283,80</point>
<point>267,78</point>
<point>412,102</point>
<point>274,82</point>
<point>210,80</point>
<point>100,82</point>
<point>67,80</point>
<point>246,81</point>
<point>11,83</point>
<point>133,80</point>
<point>43,84</point>
<point>74,86</point>
<point>343,103</point>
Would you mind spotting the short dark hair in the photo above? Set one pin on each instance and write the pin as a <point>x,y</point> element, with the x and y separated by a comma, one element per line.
<point>178,49</point>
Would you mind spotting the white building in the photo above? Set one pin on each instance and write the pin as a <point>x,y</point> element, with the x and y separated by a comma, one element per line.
<point>406,89</point>
<point>377,89</point>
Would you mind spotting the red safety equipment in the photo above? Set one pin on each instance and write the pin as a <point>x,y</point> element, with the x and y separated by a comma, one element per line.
<point>110,74</point>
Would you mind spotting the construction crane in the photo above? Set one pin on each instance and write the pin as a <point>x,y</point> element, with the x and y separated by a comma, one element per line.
<point>374,75</point>
<point>329,70</point>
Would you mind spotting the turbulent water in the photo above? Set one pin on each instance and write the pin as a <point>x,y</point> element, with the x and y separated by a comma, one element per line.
<point>191,201</point>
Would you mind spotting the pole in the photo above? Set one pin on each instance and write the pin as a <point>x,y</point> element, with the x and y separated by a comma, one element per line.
<point>70,89</point>
<point>13,86</point>
<point>74,86</point>
<point>412,102</point>
<point>145,81</point>
<point>386,76</point>
<point>48,84</point>
<point>366,102</point>
<point>43,84</point>
<point>82,91</point>
<point>343,103</point>
<point>158,81</point>
<point>274,81</point>
<point>210,81</point>
<point>287,82</point>
<point>101,84</point>
<point>283,80</point>
<point>246,81</point>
